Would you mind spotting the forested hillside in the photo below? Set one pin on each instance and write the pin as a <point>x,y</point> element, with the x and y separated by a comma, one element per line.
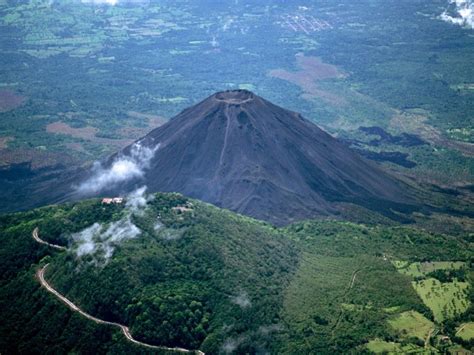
<point>179,272</point>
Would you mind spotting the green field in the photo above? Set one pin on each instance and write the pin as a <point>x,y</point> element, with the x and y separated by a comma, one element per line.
<point>378,346</point>
<point>466,331</point>
<point>445,300</point>
<point>412,324</point>
<point>420,269</point>
<point>319,279</point>
<point>342,287</point>
<point>442,285</point>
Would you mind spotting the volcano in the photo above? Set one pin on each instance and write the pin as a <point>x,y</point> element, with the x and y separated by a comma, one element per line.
<point>239,151</point>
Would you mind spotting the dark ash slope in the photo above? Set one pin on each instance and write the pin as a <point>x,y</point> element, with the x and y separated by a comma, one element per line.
<point>241,152</point>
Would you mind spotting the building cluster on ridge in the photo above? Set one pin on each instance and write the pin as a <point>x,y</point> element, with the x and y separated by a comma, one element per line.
<point>112,200</point>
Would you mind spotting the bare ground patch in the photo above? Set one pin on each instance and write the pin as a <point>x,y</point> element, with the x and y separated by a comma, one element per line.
<point>63,128</point>
<point>318,70</point>
<point>417,124</point>
<point>75,146</point>
<point>127,134</point>
<point>153,121</point>
<point>4,142</point>
<point>312,70</point>
<point>9,100</point>
<point>86,133</point>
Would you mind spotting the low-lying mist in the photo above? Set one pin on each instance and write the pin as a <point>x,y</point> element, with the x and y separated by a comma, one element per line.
<point>100,240</point>
<point>460,12</point>
<point>123,168</point>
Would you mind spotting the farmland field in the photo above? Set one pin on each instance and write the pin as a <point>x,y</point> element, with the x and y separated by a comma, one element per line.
<point>422,269</point>
<point>412,324</point>
<point>444,299</point>
<point>440,284</point>
<point>383,347</point>
<point>466,331</point>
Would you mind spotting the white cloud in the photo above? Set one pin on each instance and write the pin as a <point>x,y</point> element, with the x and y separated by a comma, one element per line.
<point>137,200</point>
<point>460,12</point>
<point>158,226</point>
<point>113,2</point>
<point>242,300</point>
<point>268,329</point>
<point>107,2</point>
<point>85,240</point>
<point>123,168</point>
<point>100,240</point>
<point>117,232</point>
<point>229,346</point>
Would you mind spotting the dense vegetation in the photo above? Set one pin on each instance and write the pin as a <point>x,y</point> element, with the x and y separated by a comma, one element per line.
<point>33,320</point>
<point>204,278</point>
<point>347,276</point>
<point>205,275</point>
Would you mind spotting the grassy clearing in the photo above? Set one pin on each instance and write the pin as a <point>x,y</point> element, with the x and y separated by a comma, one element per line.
<point>392,310</point>
<point>378,346</point>
<point>313,306</point>
<point>422,269</point>
<point>400,264</point>
<point>466,331</point>
<point>445,295</point>
<point>412,324</point>
<point>458,350</point>
<point>444,299</point>
<point>354,307</point>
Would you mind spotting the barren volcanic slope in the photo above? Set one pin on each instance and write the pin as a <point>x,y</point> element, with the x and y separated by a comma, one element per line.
<point>241,152</point>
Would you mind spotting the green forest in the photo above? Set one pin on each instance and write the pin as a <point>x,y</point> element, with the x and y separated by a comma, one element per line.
<point>199,277</point>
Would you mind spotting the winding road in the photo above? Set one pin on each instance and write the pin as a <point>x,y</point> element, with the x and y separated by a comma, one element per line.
<point>125,330</point>
<point>39,240</point>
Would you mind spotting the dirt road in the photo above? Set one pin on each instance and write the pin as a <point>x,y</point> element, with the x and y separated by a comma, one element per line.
<point>125,330</point>
<point>39,240</point>
<point>40,274</point>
